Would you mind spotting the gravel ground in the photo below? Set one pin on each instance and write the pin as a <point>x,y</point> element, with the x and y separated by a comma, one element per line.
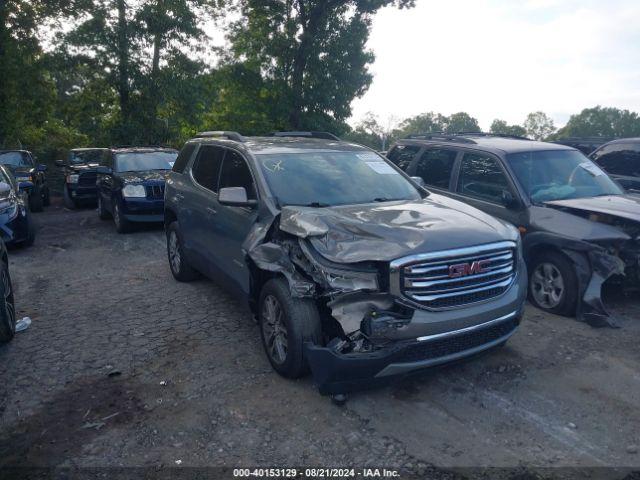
<point>124,367</point>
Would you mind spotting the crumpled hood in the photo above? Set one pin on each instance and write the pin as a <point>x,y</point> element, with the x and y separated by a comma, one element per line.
<point>387,231</point>
<point>623,206</point>
<point>147,176</point>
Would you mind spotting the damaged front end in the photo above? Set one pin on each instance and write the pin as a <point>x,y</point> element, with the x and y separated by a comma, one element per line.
<point>370,332</point>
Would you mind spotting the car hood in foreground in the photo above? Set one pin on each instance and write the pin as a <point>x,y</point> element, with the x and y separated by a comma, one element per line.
<point>146,176</point>
<point>391,230</point>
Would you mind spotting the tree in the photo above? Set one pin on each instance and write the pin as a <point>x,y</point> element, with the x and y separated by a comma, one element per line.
<point>430,122</point>
<point>601,121</point>
<point>371,132</point>
<point>313,51</point>
<point>461,122</point>
<point>539,126</point>
<point>500,127</point>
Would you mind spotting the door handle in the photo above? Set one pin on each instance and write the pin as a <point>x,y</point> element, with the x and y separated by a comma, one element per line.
<point>212,211</point>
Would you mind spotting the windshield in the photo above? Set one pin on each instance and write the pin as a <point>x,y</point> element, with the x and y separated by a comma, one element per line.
<point>142,161</point>
<point>15,159</point>
<point>86,156</point>
<point>560,175</point>
<point>333,178</point>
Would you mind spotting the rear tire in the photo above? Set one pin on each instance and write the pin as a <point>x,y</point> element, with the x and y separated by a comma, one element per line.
<point>35,200</point>
<point>553,284</point>
<point>7,306</point>
<point>286,324</point>
<point>180,268</point>
<point>31,232</point>
<point>69,202</point>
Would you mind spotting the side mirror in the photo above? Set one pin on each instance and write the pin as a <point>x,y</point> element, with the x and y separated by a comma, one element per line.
<point>41,168</point>
<point>509,201</point>
<point>5,189</point>
<point>60,163</point>
<point>102,170</point>
<point>419,181</point>
<point>235,197</point>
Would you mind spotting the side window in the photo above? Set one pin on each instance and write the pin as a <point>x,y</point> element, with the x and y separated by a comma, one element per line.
<point>236,173</point>
<point>481,177</point>
<point>620,159</point>
<point>435,167</point>
<point>206,168</point>
<point>402,155</point>
<point>183,157</point>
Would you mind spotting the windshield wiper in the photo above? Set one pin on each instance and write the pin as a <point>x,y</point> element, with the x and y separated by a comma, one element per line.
<point>385,199</point>
<point>316,205</point>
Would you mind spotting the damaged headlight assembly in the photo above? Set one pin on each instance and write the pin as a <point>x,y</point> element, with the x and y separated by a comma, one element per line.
<point>350,280</point>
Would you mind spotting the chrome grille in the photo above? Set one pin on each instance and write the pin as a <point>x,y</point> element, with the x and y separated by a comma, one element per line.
<point>454,278</point>
<point>155,191</point>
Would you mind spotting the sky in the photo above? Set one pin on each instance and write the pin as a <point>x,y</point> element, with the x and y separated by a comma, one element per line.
<point>504,59</point>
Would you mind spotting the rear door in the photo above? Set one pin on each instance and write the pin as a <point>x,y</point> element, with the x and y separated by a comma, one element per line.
<point>480,181</point>
<point>231,225</point>
<point>436,166</point>
<point>622,162</point>
<point>199,205</point>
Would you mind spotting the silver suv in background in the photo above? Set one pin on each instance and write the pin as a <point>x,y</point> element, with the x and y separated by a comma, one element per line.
<point>351,268</point>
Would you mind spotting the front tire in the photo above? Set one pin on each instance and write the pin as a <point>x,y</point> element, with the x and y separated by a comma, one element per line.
<point>7,306</point>
<point>553,284</point>
<point>46,197</point>
<point>286,324</point>
<point>122,224</point>
<point>69,202</point>
<point>180,268</point>
<point>102,212</point>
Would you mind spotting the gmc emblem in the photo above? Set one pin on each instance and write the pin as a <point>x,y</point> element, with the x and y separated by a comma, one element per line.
<point>464,269</point>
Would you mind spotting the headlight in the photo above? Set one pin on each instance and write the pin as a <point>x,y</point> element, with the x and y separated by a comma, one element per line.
<point>72,178</point>
<point>134,191</point>
<point>350,280</point>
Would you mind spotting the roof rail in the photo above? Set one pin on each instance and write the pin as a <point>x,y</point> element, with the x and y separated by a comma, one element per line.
<point>235,136</point>
<point>311,134</point>
<point>449,137</point>
<point>487,134</point>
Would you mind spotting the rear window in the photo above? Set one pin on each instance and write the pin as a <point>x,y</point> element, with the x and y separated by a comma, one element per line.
<point>183,157</point>
<point>403,155</point>
<point>620,159</point>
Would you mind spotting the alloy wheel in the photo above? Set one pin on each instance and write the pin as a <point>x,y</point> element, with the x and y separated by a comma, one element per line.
<point>547,285</point>
<point>274,329</point>
<point>8,299</point>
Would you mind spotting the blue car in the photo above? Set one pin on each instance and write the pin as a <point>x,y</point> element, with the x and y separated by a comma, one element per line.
<point>131,185</point>
<point>16,225</point>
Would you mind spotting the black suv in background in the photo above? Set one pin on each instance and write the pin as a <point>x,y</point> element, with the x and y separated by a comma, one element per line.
<point>79,171</point>
<point>131,185</point>
<point>578,226</point>
<point>22,165</point>
<point>349,265</point>
<point>621,160</point>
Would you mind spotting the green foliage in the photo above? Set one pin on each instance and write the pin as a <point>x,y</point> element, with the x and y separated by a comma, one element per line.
<point>500,127</point>
<point>432,122</point>
<point>601,121</point>
<point>539,126</point>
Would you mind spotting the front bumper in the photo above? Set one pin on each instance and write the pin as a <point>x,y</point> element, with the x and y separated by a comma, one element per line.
<point>143,210</point>
<point>82,192</point>
<point>431,338</point>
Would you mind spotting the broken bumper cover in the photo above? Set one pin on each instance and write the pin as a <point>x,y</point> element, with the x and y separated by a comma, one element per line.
<point>341,373</point>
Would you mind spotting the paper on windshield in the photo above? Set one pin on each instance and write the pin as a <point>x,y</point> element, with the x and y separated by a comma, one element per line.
<point>592,168</point>
<point>381,167</point>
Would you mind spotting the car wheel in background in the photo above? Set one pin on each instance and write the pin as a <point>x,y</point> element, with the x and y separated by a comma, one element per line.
<point>7,306</point>
<point>553,284</point>
<point>286,324</point>
<point>46,196</point>
<point>180,268</point>
<point>31,231</point>
<point>69,202</point>
<point>35,200</point>
<point>122,225</point>
<point>102,212</point>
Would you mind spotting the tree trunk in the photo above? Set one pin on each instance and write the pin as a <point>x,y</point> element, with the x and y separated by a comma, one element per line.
<point>123,61</point>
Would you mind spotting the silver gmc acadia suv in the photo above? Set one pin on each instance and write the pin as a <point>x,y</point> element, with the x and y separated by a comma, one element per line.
<point>352,268</point>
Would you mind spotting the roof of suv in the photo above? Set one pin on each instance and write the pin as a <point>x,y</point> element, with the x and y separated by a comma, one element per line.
<point>624,140</point>
<point>141,149</point>
<point>279,145</point>
<point>493,144</point>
